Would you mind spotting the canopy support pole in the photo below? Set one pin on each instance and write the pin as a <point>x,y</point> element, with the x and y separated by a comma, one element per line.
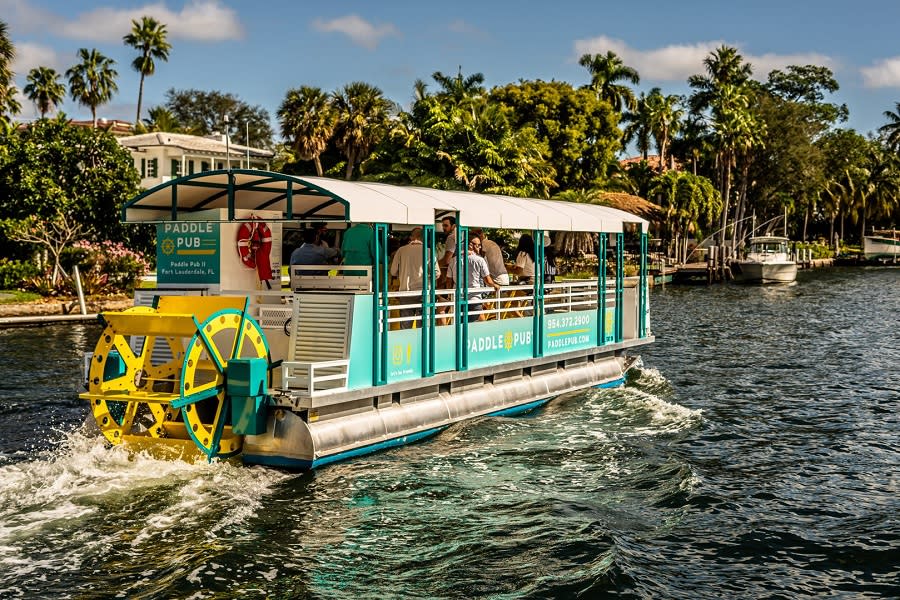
<point>428,300</point>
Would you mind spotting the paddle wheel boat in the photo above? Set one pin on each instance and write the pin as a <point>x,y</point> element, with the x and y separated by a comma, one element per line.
<point>219,358</point>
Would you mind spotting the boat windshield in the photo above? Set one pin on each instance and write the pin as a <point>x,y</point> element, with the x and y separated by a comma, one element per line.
<point>768,248</point>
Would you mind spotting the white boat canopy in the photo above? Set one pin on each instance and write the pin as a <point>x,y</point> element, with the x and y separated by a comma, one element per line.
<point>324,199</point>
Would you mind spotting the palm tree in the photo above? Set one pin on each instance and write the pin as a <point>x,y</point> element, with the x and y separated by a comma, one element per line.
<point>8,102</point>
<point>362,118</point>
<point>733,133</point>
<point>724,66</point>
<point>457,89</point>
<point>606,73</point>
<point>688,200</point>
<point>891,130</point>
<point>308,118</point>
<point>92,82</point>
<point>639,126</point>
<point>665,121</point>
<point>162,119</point>
<point>44,89</point>
<point>149,38</point>
<point>723,92</point>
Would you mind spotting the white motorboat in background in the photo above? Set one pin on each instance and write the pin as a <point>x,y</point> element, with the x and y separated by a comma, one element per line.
<point>768,260</point>
<point>882,244</point>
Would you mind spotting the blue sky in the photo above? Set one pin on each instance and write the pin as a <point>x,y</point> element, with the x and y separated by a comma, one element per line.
<point>257,50</point>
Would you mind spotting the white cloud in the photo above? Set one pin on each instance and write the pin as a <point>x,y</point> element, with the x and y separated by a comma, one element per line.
<point>885,73</point>
<point>22,17</point>
<point>203,20</point>
<point>359,30</point>
<point>765,63</point>
<point>29,56</point>
<point>677,62</point>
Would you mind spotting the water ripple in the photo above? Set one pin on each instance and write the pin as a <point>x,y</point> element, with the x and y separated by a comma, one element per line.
<point>756,455</point>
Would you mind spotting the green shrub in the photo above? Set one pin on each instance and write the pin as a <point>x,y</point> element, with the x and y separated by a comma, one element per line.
<point>819,250</point>
<point>14,273</point>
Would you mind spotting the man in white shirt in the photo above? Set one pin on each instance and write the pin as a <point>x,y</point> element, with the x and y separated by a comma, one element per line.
<point>492,253</point>
<point>407,268</point>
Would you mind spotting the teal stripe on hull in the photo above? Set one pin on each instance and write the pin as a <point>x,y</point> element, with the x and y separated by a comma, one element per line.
<point>517,410</point>
<point>400,441</point>
<point>612,384</point>
<point>305,465</point>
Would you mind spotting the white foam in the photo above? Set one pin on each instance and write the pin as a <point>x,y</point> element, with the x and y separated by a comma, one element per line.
<point>58,496</point>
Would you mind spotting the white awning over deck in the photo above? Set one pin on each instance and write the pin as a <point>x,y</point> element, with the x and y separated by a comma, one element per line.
<point>324,199</point>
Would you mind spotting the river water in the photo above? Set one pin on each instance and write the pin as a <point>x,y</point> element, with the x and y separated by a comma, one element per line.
<point>756,454</point>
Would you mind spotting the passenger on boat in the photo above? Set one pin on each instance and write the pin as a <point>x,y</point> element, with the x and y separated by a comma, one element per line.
<point>491,252</point>
<point>321,236</point>
<point>525,260</point>
<point>407,267</point>
<point>479,277</point>
<point>550,268</point>
<point>448,224</point>
<point>358,247</point>
<point>311,253</point>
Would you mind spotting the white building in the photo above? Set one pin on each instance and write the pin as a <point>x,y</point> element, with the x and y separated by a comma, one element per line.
<point>162,156</point>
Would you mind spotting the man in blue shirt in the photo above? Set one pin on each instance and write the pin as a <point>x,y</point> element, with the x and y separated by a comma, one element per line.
<point>311,253</point>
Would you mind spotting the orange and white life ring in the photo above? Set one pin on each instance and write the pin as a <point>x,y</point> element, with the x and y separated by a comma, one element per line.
<point>254,245</point>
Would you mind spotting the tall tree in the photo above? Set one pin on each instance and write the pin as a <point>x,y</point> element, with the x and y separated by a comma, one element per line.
<point>477,148</point>
<point>841,149</point>
<point>665,121</point>
<point>639,127</point>
<point>44,89</point>
<point>607,72</point>
<point>459,90</point>
<point>148,37</point>
<point>691,203</point>
<point>891,130</point>
<point>204,114</point>
<point>724,66</point>
<point>580,131</point>
<point>92,82</point>
<point>53,165</point>
<point>8,104</point>
<point>722,97</point>
<point>362,121</point>
<point>308,120</point>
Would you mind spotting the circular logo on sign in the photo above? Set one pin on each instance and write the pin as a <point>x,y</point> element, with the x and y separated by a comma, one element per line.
<point>508,340</point>
<point>167,246</point>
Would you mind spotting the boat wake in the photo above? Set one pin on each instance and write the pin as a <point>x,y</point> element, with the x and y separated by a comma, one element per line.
<point>84,501</point>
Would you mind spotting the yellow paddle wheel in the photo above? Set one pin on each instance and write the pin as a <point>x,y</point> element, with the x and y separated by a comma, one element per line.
<point>189,374</point>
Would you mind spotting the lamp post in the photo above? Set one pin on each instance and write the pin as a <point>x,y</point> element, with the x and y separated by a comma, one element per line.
<point>227,144</point>
<point>247,142</point>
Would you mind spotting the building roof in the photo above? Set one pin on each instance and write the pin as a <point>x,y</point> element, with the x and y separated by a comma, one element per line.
<point>633,204</point>
<point>114,126</point>
<point>324,199</point>
<point>214,145</point>
<point>652,161</point>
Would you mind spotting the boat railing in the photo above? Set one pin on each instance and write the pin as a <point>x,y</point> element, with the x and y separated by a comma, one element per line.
<point>336,278</point>
<point>508,302</point>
